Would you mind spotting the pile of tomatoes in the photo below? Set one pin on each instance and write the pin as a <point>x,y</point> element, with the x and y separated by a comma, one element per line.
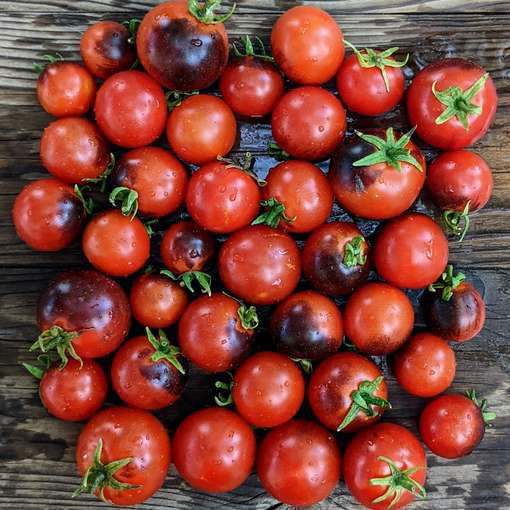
<point>263,236</point>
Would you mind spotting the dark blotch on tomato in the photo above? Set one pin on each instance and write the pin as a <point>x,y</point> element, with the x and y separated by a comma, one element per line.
<point>114,45</point>
<point>160,374</point>
<point>239,340</point>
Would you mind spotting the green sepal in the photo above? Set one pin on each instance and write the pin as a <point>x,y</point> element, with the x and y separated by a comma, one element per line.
<point>248,316</point>
<point>353,253</point>
<point>487,416</point>
<point>457,222</point>
<point>128,199</point>
<point>248,49</point>
<point>43,365</point>
<point>148,226</point>
<point>276,152</point>
<point>175,97</point>
<point>244,163</point>
<point>448,283</point>
<point>186,280</point>
<point>51,58</point>
<point>203,11</point>
<point>60,340</point>
<point>132,26</point>
<point>164,349</point>
<point>224,396</point>
<point>88,203</point>
<point>102,179</point>
<point>305,364</point>
<point>274,214</point>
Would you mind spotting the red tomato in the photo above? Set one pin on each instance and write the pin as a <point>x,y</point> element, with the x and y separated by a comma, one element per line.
<point>260,265</point>
<point>334,385</point>
<point>201,128</point>
<point>378,318</point>
<point>336,258</point>
<point>73,150</point>
<point>452,102</point>
<point>425,365</point>
<point>386,452</point>
<point>48,215</point>
<point>116,244</point>
<point>134,439</point>
<point>214,450</point>
<point>307,45</point>
<point>299,463</point>
<point>131,109</point>
<point>411,251</point>
<point>222,198</point>
<point>268,389</point>
<point>315,135</point>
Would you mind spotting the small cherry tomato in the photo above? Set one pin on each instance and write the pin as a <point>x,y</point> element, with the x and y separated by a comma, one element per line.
<point>299,463</point>
<point>214,450</point>
<point>411,251</point>
<point>315,135</point>
<point>336,258</point>
<point>378,318</point>
<point>260,265</point>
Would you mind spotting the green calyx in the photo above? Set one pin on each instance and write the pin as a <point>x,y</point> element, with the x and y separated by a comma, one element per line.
<point>488,416</point>
<point>43,365</point>
<point>164,349</point>
<point>224,396</point>
<point>127,198</point>
<point>51,59</point>
<point>203,11</point>
<point>244,163</point>
<point>276,152</point>
<point>186,280</point>
<point>305,364</point>
<point>99,476</point>
<point>456,222</point>
<point>248,316</point>
<point>101,180</point>
<point>132,25</point>
<point>398,482</point>
<point>447,283</point>
<point>148,226</point>
<point>175,97</point>
<point>88,203</point>
<point>459,102</point>
<point>60,340</point>
<point>389,151</point>
<point>380,59</point>
<point>353,252</point>
<point>273,215</point>
<point>362,401</point>
<point>248,49</point>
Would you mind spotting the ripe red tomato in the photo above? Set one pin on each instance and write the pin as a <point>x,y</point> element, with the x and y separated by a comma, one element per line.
<point>452,103</point>
<point>136,442</point>
<point>48,215</point>
<point>222,198</point>
<point>425,365</point>
<point>214,450</point>
<point>268,389</point>
<point>307,45</point>
<point>299,463</point>
<point>315,135</point>
<point>377,181</point>
<point>391,455</point>
<point>336,258</point>
<point>131,109</point>
<point>339,384</point>
<point>116,244</point>
<point>73,149</point>
<point>378,318</point>
<point>260,265</point>
<point>411,251</point>
<point>201,128</point>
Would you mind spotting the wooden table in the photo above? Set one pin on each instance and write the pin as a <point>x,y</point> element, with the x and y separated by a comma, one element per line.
<point>37,468</point>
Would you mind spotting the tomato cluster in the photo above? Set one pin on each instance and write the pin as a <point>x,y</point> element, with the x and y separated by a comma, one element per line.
<point>142,205</point>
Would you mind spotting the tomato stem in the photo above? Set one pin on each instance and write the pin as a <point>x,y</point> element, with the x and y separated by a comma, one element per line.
<point>60,340</point>
<point>248,49</point>
<point>353,252</point>
<point>203,11</point>
<point>457,222</point>
<point>448,283</point>
<point>132,25</point>
<point>276,152</point>
<point>487,416</point>
<point>274,214</point>
<point>164,349</point>
<point>186,280</point>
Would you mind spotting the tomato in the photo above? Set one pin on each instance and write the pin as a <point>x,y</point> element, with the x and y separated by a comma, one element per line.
<point>83,312</point>
<point>425,365</point>
<point>66,89</point>
<point>377,182</point>
<point>260,265</point>
<point>452,103</point>
<point>307,325</point>
<point>201,128</point>
<point>336,258</point>
<point>157,301</point>
<point>315,135</point>
<point>157,177</point>
<point>74,150</point>
<point>48,215</point>
<point>222,198</point>
<point>337,382</point>
<point>411,251</point>
<point>378,318</point>
<point>268,389</point>
<point>106,50</point>
<point>131,109</point>
<point>307,45</point>
<point>216,332</point>
<point>391,455</point>
<point>299,463</point>
<point>298,193</point>
<point>148,372</point>
<point>214,450</point>
<point>184,48</point>
<point>138,445</point>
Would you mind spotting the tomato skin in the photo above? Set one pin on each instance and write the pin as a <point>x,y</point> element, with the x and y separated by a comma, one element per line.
<point>73,149</point>
<point>127,433</point>
<point>131,109</point>
<point>361,463</point>
<point>222,198</point>
<point>411,251</point>
<point>299,463</point>
<point>315,135</point>
<point>423,108</point>
<point>214,450</point>
<point>116,244</point>
<point>307,45</point>
<point>260,265</point>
